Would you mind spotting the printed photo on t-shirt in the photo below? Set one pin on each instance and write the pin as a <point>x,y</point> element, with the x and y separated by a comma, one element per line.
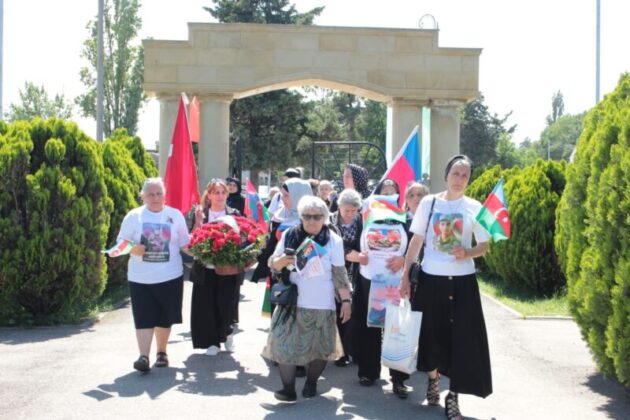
<point>448,230</point>
<point>382,239</point>
<point>156,239</point>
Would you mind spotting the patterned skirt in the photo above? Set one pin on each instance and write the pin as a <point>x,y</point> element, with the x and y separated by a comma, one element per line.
<point>310,335</point>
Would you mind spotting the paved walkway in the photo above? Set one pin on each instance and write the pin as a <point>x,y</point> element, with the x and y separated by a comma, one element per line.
<point>541,370</point>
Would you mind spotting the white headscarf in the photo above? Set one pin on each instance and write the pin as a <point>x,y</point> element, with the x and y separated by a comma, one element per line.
<point>298,188</point>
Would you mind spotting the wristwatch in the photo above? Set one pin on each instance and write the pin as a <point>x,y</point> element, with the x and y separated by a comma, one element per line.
<point>346,300</point>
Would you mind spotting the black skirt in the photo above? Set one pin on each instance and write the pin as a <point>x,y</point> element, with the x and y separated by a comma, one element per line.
<point>212,308</point>
<point>453,337</point>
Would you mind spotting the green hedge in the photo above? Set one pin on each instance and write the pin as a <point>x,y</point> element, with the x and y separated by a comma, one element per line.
<point>593,232</point>
<point>527,260</point>
<point>127,164</point>
<point>54,218</point>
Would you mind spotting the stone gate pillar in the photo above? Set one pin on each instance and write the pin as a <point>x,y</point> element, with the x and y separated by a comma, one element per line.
<point>214,144</point>
<point>445,119</point>
<point>402,117</point>
<point>168,113</point>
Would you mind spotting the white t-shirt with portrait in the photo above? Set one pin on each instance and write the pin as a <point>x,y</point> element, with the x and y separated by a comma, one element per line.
<point>318,292</point>
<point>452,224</point>
<point>163,234</point>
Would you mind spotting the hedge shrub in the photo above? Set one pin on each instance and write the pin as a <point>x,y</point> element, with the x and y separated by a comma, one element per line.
<point>127,164</point>
<point>593,232</point>
<point>527,260</point>
<point>54,218</point>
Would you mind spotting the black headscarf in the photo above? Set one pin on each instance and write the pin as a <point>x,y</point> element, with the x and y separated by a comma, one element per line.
<point>360,179</point>
<point>236,200</point>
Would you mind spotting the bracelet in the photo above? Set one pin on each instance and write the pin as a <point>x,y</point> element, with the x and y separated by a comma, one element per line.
<point>346,300</point>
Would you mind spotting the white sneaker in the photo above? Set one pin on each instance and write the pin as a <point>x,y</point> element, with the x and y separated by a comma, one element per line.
<point>212,351</point>
<point>229,343</point>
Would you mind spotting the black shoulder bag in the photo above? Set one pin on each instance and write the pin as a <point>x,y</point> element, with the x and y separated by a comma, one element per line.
<point>416,269</point>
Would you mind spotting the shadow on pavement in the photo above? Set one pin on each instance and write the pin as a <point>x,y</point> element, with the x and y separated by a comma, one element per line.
<point>618,405</point>
<point>11,336</point>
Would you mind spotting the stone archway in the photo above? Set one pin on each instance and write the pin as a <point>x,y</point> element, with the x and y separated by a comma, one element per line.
<point>403,67</point>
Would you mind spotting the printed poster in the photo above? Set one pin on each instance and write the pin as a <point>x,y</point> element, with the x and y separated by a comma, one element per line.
<point>308,259</point>
<point>448,230</point>
<point>156,238</point>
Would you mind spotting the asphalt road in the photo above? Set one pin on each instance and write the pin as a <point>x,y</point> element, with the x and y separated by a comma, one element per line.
<point>541,370</point>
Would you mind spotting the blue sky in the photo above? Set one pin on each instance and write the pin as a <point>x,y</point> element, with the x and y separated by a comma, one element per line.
<point>531,48</point>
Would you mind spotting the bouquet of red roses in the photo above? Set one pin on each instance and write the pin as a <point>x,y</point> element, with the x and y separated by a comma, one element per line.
<point>230,243</point>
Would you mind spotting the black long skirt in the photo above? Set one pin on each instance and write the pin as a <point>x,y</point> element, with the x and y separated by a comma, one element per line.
<point>212,309</point>
<point>453,337</point>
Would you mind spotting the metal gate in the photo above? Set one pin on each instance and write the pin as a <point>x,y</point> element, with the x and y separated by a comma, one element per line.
<point>329,159</point>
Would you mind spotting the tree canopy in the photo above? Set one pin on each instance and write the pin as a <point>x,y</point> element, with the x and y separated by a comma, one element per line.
<point>36,103</point>
<point>123,62</point>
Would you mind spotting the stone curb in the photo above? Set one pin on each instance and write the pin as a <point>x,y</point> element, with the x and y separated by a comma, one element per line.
<point>524,317</point>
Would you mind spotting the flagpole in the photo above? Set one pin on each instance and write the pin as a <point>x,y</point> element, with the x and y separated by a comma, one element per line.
<point>1,53</point>
<point>99,74</point>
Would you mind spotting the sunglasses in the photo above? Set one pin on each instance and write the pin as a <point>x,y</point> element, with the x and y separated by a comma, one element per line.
<point>316,217</point>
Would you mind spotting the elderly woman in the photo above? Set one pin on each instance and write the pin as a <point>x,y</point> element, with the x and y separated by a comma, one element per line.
<point>347,223</point>
<point>387,187</point>
<point>213,296</point>
<point>155,270</point>
<point>414,193</point>
<point>453,339</point>
<point>309,338</point>
<point>324,191</point>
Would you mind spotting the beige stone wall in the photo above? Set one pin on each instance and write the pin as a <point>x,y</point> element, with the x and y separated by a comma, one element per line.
<point>246,59</point>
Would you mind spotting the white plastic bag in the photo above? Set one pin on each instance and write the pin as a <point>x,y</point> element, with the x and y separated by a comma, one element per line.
<point>400,338</point>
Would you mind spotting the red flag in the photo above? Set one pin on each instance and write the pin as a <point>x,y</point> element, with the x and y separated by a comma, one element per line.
<point>193,111</point>
<point>254,208</point>
<point>181,172</point>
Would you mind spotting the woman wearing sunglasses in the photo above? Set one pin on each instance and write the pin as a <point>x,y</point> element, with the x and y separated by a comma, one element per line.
<point>309,337</point>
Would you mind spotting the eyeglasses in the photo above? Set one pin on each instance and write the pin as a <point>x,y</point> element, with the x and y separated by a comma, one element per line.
<point>316,217</point>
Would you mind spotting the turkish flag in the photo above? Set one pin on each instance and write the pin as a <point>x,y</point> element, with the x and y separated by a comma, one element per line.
<point>180,178</point>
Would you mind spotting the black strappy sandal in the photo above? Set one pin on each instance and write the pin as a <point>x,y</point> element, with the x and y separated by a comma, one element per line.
<point>433,390</point>
<point>451,407</point>
<point>162,360</point>
<point>142,364</point>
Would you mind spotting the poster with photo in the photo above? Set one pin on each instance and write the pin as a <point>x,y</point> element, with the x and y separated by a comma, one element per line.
<point>448,229</point>
<point>308,259</point>
<point>383,242</point>
<point>383,290</point>
<point>156,238</point>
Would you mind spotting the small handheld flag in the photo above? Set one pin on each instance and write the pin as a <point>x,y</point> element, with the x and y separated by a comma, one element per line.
<point>121,248</point>
<point>383,207</point>
<point>494,216</point>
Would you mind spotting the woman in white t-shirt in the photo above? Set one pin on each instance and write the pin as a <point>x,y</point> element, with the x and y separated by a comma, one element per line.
<point>308,337</point>
<point>214,296</point>
<point>453,338</point>
<point>155,270</point>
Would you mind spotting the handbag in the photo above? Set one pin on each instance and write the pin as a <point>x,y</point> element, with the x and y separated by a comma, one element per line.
<point>283,294</point>
<point>415,270</point>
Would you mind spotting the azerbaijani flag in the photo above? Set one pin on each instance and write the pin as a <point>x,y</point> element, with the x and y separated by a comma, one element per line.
<point>494,216</point>
<point>383,207</point>
<point>254,208</point>
<point>407,165</point>
<point>121,248</point>
<point>266,306</point>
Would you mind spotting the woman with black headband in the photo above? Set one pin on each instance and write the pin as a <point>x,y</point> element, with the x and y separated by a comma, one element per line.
<point>453,338</point>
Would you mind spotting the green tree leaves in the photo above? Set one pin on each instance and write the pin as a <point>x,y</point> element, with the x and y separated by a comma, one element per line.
<point>593,232</point>
<point>36,103</point>
<point>123,67</point>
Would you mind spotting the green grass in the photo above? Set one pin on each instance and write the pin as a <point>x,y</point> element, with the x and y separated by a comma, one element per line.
<point>521,301</point>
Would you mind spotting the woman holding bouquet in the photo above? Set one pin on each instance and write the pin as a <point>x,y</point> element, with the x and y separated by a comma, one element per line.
<point>155,270</point>
<point>213,295</point>
<point>453,338</point>
<point>309,337</point>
